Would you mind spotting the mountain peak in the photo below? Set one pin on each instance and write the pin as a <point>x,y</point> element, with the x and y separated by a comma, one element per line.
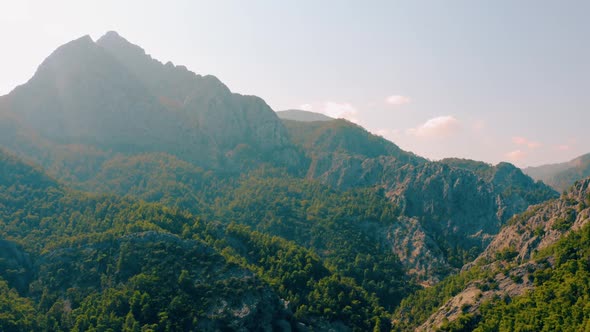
<point>112,34</point>
<point>112,40</point>
<point>82,43</point>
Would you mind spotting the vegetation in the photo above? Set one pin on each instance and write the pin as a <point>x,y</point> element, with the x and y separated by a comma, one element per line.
<point>103,262</point>
<point>559,301</point>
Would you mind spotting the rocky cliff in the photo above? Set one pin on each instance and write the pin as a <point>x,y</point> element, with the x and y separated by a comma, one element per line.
<point>454,208</point>
<point>507,267</point>
<point>112,96</point>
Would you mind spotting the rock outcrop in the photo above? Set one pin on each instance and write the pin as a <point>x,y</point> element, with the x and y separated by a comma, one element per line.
<point>112,96</point>
<point>510,257</point>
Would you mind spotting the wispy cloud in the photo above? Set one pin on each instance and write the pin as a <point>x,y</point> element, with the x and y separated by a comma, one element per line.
<point>390,134</point>
<point>439,127</point>
<point>516,155</point>
<point>306,107</point>
<point>340,111</point>
<point>337,110</point>
<point>519,140</point>
<point>396,100</point>
<point>567,146</point>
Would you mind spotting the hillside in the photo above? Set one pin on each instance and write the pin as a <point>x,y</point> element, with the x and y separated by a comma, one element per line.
<point>454,211</point>
<point>151,175</point>
<point>131,263</point>
<point>164,134</point>
<point>537,254</point>
<point>112,97</point>
<point>562,176</point>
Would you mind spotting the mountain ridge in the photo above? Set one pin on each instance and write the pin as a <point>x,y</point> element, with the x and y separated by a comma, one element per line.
<point>562,175</point>
<point>169,136</point>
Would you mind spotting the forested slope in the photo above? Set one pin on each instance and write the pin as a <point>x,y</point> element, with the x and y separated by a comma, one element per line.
<point>81,262</point>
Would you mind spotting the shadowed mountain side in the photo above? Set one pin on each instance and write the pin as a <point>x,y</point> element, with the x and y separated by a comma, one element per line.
<point>105,95</point>
<point>459,206</point>
<point>529,275</point>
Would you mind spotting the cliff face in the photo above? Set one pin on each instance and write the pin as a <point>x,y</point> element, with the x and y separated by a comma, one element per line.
<point>507,267</point>
<point>453,208</point>
<point>542,225</point>
<point>229,119</point>
<point>110,95</point>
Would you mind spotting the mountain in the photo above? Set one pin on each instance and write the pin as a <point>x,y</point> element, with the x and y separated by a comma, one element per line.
<point>84,261</point>
<point>454,211</point>
<point>159,132</point>
<point>113,97</point>
<point>305,116</point>
<point>320,224</point>
<point>535,255</point>
<point>562,176</point>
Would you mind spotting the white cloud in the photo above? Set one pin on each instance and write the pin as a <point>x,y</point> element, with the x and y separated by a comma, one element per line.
<point>397,100</point>
<point>392,135</point>
<point>333,109</point>
<point>306,107</point>
<point>569,145</point>
<point>383,132</point>
<point>516,155</point>
<point>442,126</point>
<point>339,111</point>
<point>518,140</point>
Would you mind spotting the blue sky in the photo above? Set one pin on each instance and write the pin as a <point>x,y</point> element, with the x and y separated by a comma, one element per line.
<point>487,80</point>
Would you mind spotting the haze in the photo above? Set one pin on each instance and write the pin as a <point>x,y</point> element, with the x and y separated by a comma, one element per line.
<point>489,81</point>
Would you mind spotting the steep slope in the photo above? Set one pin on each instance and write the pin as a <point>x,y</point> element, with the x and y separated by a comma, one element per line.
<point>454,207</point>
<point>562,176</point>
<point>119,121</point>
<point>97,262</point>
<point>111,96</point>
<point>305,116</point>
<point>526,258</point>
<point>510,181</point>
<point>229,119</point>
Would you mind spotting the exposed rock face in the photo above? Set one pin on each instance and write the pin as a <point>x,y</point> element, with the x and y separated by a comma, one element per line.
<point>511,254</point>
<point>542,225</point>
<point>453,206</point>
<point>113,96</point>
<point>229,118</point>
<point>512,283</point>
<point>417,251</point>
<point>562,176</point>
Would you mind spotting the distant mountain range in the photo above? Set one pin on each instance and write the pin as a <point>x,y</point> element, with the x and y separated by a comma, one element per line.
<point>562,176</point>
<point>313,222</point>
